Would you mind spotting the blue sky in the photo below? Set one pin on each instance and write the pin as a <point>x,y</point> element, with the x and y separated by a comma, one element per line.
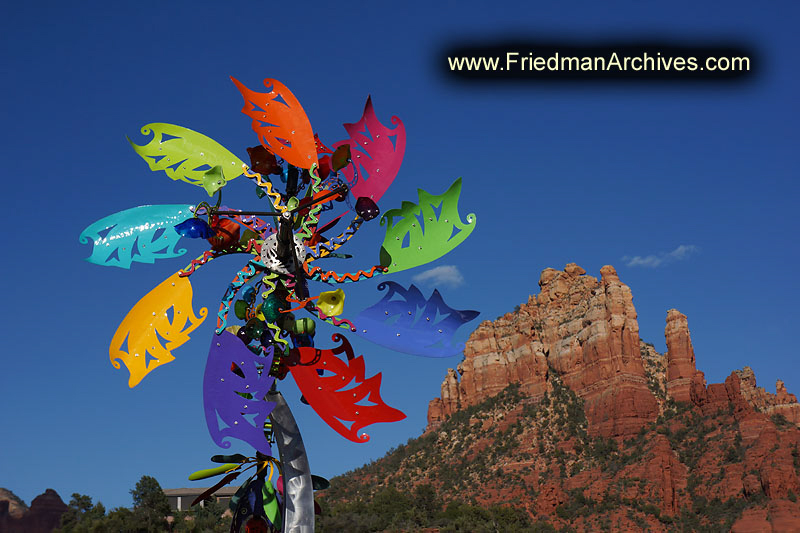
<point>689,190</point>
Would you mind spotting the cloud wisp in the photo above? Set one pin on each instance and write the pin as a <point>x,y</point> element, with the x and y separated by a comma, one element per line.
<point>442,275</point>
<point>656,260</point>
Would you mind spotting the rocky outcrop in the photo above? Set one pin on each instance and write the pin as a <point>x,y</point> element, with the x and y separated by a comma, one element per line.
<point>584,330</point>
<point>43,516</point>
<point>681,368</point>
<point>777,517</point>
<point>14,505</point>
<point>782,402</point>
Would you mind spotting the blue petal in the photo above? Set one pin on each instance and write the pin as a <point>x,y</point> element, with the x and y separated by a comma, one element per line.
<point>412,324</point>
<point>140,234</point>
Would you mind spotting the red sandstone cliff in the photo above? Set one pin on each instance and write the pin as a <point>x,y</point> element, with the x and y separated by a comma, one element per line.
<point>681,369</point>
<point>582,328</point>
<point>587,332</point>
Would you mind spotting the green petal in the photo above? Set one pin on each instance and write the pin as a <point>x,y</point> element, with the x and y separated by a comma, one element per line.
<point>185,154</point>
<point>416,235</point>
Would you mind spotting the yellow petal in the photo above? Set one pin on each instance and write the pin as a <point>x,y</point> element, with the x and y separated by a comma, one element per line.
<point>148,323</point>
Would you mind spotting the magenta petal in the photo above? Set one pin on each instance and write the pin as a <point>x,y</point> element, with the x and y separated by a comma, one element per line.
<point>377,153</point>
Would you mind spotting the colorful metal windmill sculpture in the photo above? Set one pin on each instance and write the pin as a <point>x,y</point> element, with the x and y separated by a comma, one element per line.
<point>283,245</point>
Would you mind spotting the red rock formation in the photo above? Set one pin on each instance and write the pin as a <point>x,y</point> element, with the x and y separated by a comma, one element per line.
<point>587,332</point>
<point>681,368</point>
<point>15,506</point>
<point>782,402</point>
<point>440,408</point>
<point>584,329</point>
<point>777,517</point>
<point>43,516</point>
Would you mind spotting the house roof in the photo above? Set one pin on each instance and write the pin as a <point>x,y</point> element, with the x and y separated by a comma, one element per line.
<point>197,491</point>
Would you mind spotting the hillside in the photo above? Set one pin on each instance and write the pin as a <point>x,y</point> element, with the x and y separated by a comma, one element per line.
<point>560,411</point>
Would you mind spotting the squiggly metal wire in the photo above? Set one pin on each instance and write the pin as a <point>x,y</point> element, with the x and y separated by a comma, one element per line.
<point>301,302</point>
<point>254,223</point>
<point>331,245</point>
<point>267,280</point>
<point>311,220</point>
<point>240,279</point>
<point>252,247</point>
<point>201,260</point>
<point>317,274</point>
<point>276,197</point>
<point>338,322</point>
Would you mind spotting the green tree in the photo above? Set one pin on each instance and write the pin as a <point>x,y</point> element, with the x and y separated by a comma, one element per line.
<point>77,507</point>
<point>149,514</point>
<point>150,505</point>
<point>121,520</point>
<point>81,516</point>
<point>427,503</point>
<point>148,495</point>
<point>206,519</point>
